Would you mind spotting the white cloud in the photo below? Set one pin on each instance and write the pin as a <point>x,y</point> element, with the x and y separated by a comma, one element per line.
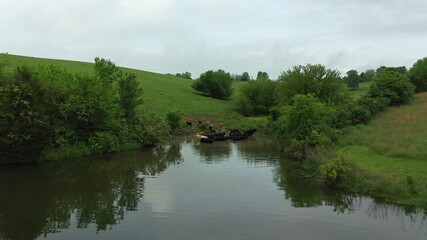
<point>183,35</point>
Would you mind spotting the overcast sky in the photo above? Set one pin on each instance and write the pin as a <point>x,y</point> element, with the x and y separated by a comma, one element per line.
<point>169,36</point>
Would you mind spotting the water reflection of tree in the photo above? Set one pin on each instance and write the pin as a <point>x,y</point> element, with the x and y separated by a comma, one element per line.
<point>258,149</point>
<point>38,200</point>
<point>303,191</point>
<point>213,153</point>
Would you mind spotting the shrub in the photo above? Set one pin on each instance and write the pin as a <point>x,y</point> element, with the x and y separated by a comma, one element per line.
<point>103,142</point>
<point>393,85</point>
<point>216,84</point>
<point>150,130</point>
<point>334,169</point>
<point>256,98</point>
<point>418,75</point>
<point>323,83</point>
<point>24,127</point>
<point>174,119</point>
<point>305,124</point>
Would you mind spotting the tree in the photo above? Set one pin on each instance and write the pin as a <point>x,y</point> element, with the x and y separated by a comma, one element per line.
<point>367,75</point>
<point>256,98</point>
<point>401,69</point>
<point>325,84</point>
<point>262,75</point>
<point>24,126</point>
<point>185,75</point>
<point>245,77</point>
<point>216,84</point>
<point>174,119</point>
<point>418,75</point>
<point>305,124</point>
<point>130,95</point>
<point>352,79</point>
<point>393,85</point>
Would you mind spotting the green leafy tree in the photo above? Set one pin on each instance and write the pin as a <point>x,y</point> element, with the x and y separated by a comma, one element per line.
<point>256,98</point>
<point>367,75</point>
<point>24,128</point>
<point>185,75</point>
<point>418,75</point>
<point>105,70</point>
<point>401,69</point>
<point>393,85</point>
<point>174,119</point>
<point>216,84</point>
<point>245,77</point>
<point>305,124</point>
<point>262,75</point>
<point>130,96</point>
<point>325,84</point>
<point>352,79</point>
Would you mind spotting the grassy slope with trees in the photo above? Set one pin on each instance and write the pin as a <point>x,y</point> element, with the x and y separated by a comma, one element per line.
<point>391,148</point>
<point>311,107</point>
<point>162,93</point>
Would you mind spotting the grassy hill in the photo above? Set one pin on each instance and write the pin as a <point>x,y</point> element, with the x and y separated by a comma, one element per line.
<point>162,93</point>
<point>393,146</point>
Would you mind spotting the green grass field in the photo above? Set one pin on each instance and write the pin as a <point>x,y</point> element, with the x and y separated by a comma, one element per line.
<point>363,89</point>
<point>393,146</point>
<point>162,93</point>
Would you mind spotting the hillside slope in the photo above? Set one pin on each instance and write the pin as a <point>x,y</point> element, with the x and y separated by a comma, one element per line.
<point>393,146</point>
<point>162,93</point>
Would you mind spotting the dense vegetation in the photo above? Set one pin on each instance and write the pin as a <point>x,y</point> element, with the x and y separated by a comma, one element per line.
<point>216,84</point>
<point>47,108</point>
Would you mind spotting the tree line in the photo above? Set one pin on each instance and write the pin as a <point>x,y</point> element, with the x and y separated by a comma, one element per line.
<point>45,108</point>
<point>308,105</point>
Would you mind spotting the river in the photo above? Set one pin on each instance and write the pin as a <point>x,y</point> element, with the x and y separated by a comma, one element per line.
<point>188,190</point>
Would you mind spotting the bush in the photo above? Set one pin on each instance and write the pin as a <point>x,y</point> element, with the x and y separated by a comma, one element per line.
<point>256,98</point>
<point>24,127</point>
<point>174,119</point>
<point>393,85</point>
<point>104,142</point>
<point>151,130</point>
<point>334,169</point>
<point>323,83</point>
<point>216,84</point>
<point>304,125</point>
<point>418,75</point>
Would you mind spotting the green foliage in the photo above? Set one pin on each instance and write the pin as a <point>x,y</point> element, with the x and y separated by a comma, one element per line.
<point>186,75</point>
<point>54,108</point>
<point>401,69</point>
<point>305,124</point>
<point>325,84</point>
<point>174,119</point>
<point>151,131</point>
<point>418,75</point>
<point>367,75</point>
<point>245,77</point>
<point>130,95</point>
<point>216,84</point>
<point>256,98</point>
<point>24,128</point>
<point>335,169</point>
<point>158,99</point>
<point>352,79</point>
<point>262,75</point>
<point>393,85</point>
<point>104,142</point>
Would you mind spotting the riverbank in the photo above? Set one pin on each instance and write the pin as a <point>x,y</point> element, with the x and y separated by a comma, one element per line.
<point>389,154</point>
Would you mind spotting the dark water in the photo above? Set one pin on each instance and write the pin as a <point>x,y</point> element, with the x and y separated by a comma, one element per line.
<point>191,191</point>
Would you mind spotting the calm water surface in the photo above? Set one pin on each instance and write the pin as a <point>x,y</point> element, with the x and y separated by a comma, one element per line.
<point>191,191</point>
